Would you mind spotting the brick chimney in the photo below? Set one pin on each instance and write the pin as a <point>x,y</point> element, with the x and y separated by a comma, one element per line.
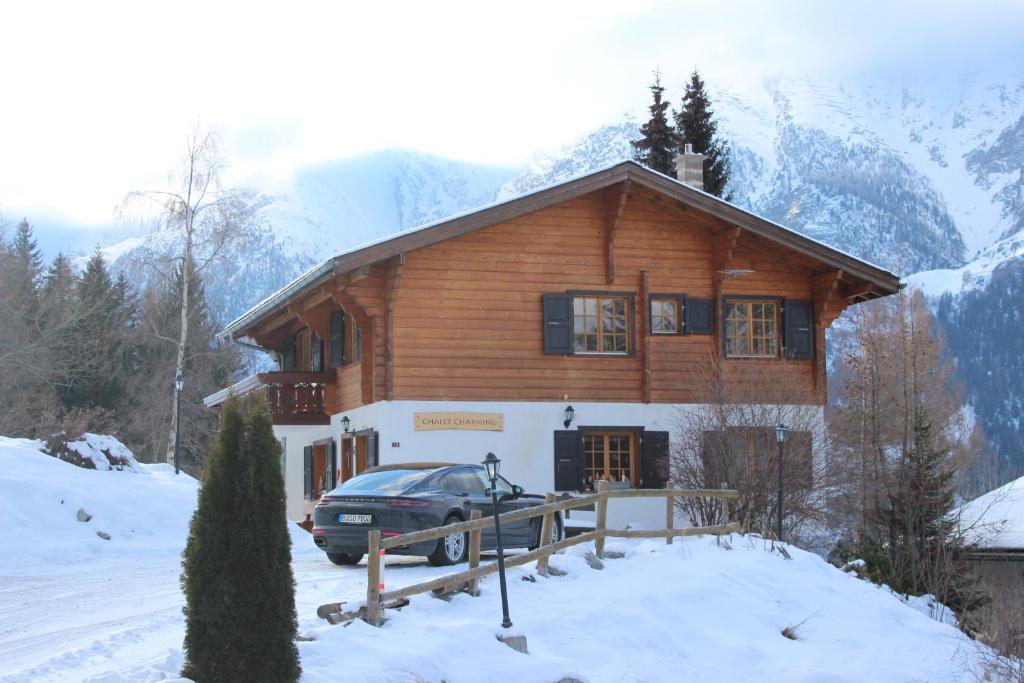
<point>690,167</point>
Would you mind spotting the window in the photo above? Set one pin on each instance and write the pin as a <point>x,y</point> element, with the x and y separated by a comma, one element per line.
<point>356,344</point>
<point>665,315</point>
<point>752,329</point>
<point>601,324</point>
<point>304,351</point>
<point>609,456</point>
<point>748,456</point>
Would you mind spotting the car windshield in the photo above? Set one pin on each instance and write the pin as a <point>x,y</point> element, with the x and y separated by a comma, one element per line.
<point>388,482</point>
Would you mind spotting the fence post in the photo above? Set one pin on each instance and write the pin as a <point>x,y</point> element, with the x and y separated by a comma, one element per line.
<point>474,553</point>
<point>725,506</point>
<point>373,580</point>
<point>602,517</point>
<point>670,517</point>
<point>546,527</point>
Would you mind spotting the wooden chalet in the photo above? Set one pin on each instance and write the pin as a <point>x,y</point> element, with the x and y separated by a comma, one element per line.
<point>618,293</point>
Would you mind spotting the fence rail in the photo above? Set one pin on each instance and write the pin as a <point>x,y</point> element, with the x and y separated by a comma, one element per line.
<point>468,579</point>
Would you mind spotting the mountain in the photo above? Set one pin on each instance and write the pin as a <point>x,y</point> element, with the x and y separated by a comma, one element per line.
<point>925,181</point>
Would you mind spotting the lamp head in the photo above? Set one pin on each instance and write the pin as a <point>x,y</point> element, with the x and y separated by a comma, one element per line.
<point>492,465</point>
<point>780,433</point>
<point>179,383</point>
<point>570,413</point>
<point>345,423</point>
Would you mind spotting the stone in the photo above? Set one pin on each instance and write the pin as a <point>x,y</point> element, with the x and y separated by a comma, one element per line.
<point>530,577</point>
<point>613,555</point>
<point>555,571</point>
<point>517,643</point>
<point>593,560</point>
<point>82,515</point>
<point>104,535</point>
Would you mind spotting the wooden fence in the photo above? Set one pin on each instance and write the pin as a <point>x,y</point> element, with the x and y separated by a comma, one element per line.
<point>467,580</point>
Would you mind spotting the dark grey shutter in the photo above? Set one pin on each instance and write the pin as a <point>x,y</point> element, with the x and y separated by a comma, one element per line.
<point>699,316</point>
<point>337,338</point>
<point>317,348</point>
<point>569,460</point>
<point>654,460</point>
<point>372,449</point>
<point>307,465</point>
<point>557,323</point>
<point>798,329</point>
<point>288,356</point>
<point>332,465</point>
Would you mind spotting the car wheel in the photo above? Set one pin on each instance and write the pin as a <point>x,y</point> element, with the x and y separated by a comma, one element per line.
<point>556,531</point>
<point>345,558</point>
<point>451,549</point>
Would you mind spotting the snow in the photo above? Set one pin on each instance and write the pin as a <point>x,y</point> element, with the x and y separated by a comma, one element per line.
<point>99,449</point>
<point>996,519</point>
<point>80,608</point>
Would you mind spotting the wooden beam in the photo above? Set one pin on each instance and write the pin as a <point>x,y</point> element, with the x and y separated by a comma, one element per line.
<point>389,332</point>
<point>644,324</point>
<point>615,204</point>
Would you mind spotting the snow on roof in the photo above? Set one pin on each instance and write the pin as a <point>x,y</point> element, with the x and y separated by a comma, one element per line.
<point>996,519</point>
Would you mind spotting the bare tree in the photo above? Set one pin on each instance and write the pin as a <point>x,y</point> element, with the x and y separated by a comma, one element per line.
<point>202,218</point>
<point>728,438</point>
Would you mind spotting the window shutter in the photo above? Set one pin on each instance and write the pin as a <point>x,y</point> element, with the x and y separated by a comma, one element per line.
<point>557,323</point>
<point>332,465</point>
<point>699,316</point>
<point>337,338</point>
<point>798,329</point>
<point>307,464</point>
<point>288,359</point>
<point>654,460</point>
<point>372,449</point>
<point>568,460</point>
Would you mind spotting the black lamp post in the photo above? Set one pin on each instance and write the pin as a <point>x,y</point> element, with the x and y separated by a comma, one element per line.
<point>179,384</point>
<point>780,438</point>
<point>569,414</point>
<point>492,464</point>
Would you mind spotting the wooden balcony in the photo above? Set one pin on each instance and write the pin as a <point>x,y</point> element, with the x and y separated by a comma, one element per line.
<point>295,398</point>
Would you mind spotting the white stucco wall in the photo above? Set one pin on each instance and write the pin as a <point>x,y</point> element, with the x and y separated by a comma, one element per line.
<point>525,446</point>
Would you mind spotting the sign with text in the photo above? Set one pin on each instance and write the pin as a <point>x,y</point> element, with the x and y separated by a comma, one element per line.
<point>479,422</point>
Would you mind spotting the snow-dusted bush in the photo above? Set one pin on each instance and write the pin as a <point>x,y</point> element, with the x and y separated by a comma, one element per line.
<point>93,452</point>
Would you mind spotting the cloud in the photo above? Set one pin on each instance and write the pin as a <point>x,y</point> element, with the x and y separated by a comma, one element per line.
<point>103,95</point>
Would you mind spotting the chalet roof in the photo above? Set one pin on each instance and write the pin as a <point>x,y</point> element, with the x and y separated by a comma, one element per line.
<point>476,219</point>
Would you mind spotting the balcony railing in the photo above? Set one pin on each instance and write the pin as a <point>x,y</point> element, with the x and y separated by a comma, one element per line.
<point>295,398</point>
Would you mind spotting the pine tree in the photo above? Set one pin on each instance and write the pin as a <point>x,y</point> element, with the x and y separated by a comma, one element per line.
<point>27,268</point>
<point>696,125</point>
<point>237,576</point>
<point>658,145</point>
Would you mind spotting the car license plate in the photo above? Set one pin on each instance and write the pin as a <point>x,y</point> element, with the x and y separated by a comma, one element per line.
<point>354,519</point>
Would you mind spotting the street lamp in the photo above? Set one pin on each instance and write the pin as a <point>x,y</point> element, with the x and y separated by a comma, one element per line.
<point>492,464</point>
<point>179,384</point>
<point>780,438</point>
<point>569,414</point>
<point>345,423</point>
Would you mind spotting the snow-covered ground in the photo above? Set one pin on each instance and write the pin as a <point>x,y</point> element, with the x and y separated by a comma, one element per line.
<point>79,607</point>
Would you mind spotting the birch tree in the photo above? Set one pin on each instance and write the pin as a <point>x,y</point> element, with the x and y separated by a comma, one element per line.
<point>197,219</point>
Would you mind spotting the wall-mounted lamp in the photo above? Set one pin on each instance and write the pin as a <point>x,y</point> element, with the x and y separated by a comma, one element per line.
<point>569,415</point>
<point>346,423</point>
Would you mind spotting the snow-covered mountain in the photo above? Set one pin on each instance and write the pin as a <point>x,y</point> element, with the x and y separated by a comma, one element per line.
<point>925,181</point>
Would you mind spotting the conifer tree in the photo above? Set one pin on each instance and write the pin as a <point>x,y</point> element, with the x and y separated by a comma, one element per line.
<point>237,575</point>
<point>696,125</point>
<point>658,144</point>
<point>27,267</point>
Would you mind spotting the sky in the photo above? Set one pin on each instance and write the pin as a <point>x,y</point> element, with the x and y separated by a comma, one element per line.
<point>101,96</point>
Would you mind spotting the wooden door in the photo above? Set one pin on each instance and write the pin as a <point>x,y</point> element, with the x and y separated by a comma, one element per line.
<point>360,454</point>
<point>346,459</point>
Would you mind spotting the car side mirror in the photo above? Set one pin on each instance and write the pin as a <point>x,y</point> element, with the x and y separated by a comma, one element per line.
<point>517,490</point>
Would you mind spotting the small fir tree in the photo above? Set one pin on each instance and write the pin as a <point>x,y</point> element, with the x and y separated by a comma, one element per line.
<point>695,124</point>
<point>658,145</point>
<point>237,575</point>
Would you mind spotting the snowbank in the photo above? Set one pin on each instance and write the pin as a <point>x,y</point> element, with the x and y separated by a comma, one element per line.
<point>104,452</point>
<point>144,510</point>
<point>996,519</point>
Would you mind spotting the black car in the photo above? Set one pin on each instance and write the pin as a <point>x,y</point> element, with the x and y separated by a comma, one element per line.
<point>398,499</point>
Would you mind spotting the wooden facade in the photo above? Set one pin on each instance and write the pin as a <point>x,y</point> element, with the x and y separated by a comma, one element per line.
<point>453,312</point>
